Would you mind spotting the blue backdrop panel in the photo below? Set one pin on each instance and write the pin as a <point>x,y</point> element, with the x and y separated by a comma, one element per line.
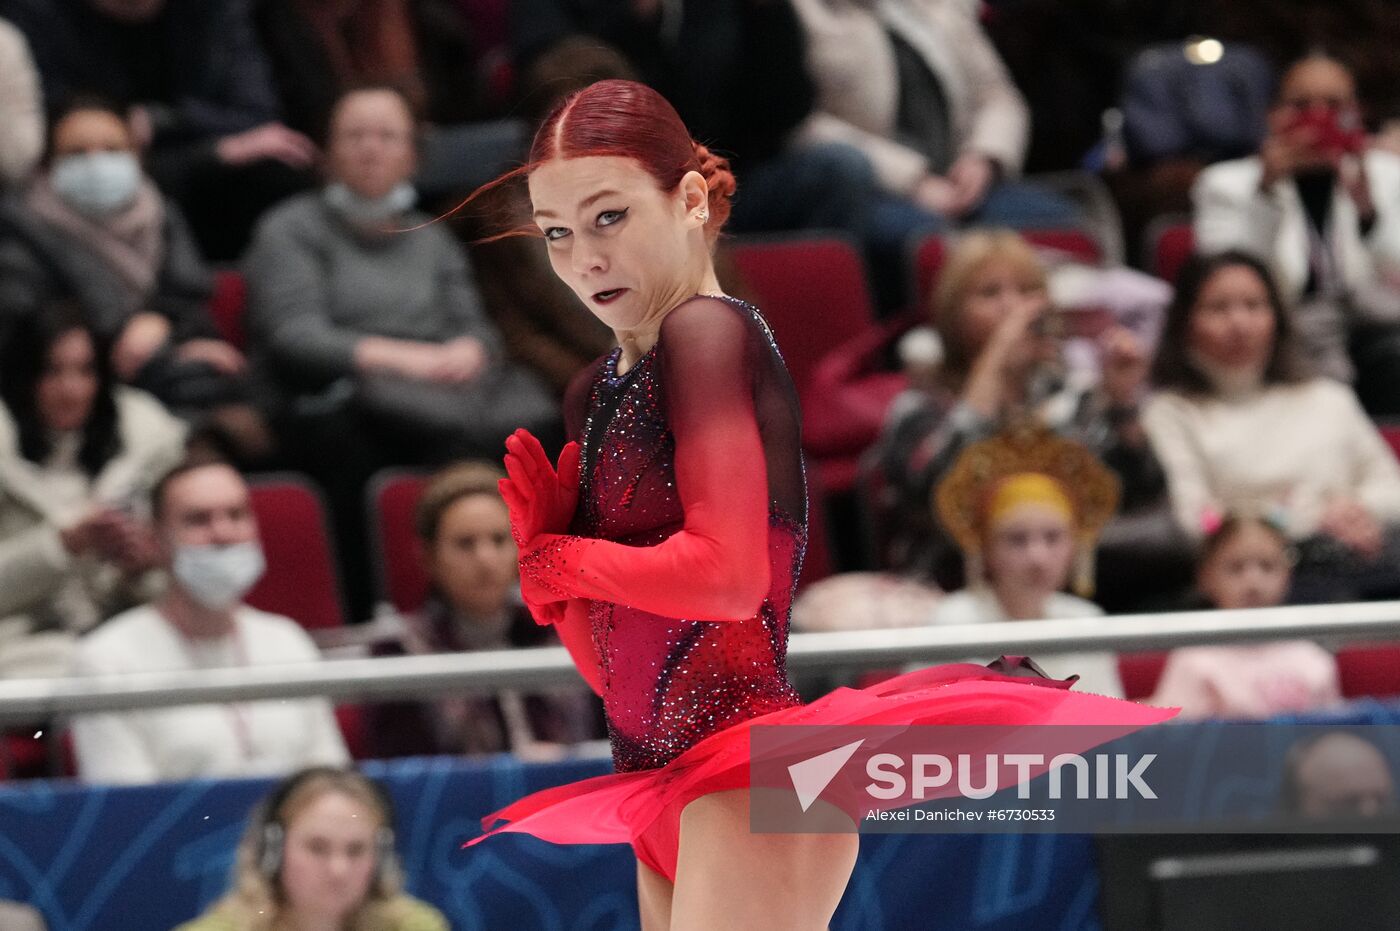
<point>147,858</point>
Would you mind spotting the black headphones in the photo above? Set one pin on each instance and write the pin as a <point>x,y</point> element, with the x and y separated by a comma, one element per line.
<point>274,832</point>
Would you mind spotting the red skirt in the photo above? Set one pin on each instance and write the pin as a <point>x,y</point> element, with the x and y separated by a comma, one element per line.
<point>643,808</point>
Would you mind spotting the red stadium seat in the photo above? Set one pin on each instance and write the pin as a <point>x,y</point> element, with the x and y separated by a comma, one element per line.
<point>23,756</point>
<point>813,292</point>
<point>393,496</point>
<point>228,306</point>
<point>1171,243</point>
<point>301,581</point>
<point>931,252</point>
<point>354,729</point>
<point>1140,673</point>
<point>1077,244</point>
<point>1391,434</point>
<point>1371,671</point>
<point>929,255</point>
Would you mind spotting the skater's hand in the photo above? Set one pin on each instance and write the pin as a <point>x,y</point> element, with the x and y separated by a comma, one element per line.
<point>541,497</point>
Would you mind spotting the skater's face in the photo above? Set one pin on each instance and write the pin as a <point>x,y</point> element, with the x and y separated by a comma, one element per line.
<point>330,856</point>
<point>1249,570</point>
<point>1232,322</point>
<point>1029,550</point>
<point>472,560</point>
<point>628,249</point>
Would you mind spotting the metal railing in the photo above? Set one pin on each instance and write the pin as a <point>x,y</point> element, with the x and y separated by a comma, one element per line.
<point>28,700</point>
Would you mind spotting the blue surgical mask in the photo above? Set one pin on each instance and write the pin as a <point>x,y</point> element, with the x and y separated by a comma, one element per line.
<point>370,211</point>
<point>218,576</point>
<point>96,183</point>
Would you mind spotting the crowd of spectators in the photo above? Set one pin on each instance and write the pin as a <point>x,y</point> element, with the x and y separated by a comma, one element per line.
<point>313,149</point>
<point>1213,441</point>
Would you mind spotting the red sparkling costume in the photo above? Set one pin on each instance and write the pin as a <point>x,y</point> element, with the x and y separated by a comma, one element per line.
<point>681,562</point>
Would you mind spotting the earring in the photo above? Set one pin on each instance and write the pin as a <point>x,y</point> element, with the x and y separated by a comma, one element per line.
<point>704,216</point>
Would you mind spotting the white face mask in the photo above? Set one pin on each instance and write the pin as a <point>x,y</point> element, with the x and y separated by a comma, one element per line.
<point>96,183</point>
<point>218,576</point>
<point>370,210</point>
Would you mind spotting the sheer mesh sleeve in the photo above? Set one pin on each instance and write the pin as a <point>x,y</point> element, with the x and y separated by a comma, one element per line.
<point>575,402</point>
<point>720,384</point>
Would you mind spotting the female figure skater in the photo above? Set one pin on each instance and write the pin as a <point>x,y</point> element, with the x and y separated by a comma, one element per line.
<point>665,544</point>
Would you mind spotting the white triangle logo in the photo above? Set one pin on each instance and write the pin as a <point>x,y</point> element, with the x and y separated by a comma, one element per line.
<point>813,775</point>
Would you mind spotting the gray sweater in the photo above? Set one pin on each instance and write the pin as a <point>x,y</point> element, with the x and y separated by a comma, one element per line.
<point>316,287</point>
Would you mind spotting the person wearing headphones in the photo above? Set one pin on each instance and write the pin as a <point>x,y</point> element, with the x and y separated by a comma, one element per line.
<point>319,855</point>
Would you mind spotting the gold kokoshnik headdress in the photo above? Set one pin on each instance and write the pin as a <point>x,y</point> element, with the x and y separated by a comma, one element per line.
<point>1030,465</point>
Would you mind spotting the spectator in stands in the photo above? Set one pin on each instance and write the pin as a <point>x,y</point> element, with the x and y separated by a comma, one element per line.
<point>208,540</point>
<point>1337,774</point>
<point>201,95</point>
<point>93,228</point>
<point>368,327</point>
<point>917,87</point>
<point>1238,424</point>
<point>1324,212</point>
<point>319,854</point>
<point>1246,562</point>
<point>1027,508</point>
<point>78,456</point>
<point>464,534</point>
<point>343,296</point>
<point>320,50</point>
<point>1002,365</point>
<point>21,109</point>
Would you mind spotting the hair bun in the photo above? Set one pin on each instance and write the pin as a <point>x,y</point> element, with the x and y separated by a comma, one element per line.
<point>720,180</point>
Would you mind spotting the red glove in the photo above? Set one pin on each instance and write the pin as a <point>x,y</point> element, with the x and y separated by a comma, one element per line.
<point>541,498</point>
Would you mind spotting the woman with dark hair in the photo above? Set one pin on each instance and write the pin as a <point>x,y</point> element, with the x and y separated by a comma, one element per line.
<point>78,455</point>
<point>1238,423</point>
<point>665,544</point>
<point>93,228</point>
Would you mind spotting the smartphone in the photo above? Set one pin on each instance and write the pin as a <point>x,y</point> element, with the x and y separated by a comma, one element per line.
<point>1337,131</point>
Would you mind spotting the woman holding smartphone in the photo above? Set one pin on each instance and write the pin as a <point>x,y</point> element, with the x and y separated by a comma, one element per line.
<point>1003,364</point>
<point>1322,210</point>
